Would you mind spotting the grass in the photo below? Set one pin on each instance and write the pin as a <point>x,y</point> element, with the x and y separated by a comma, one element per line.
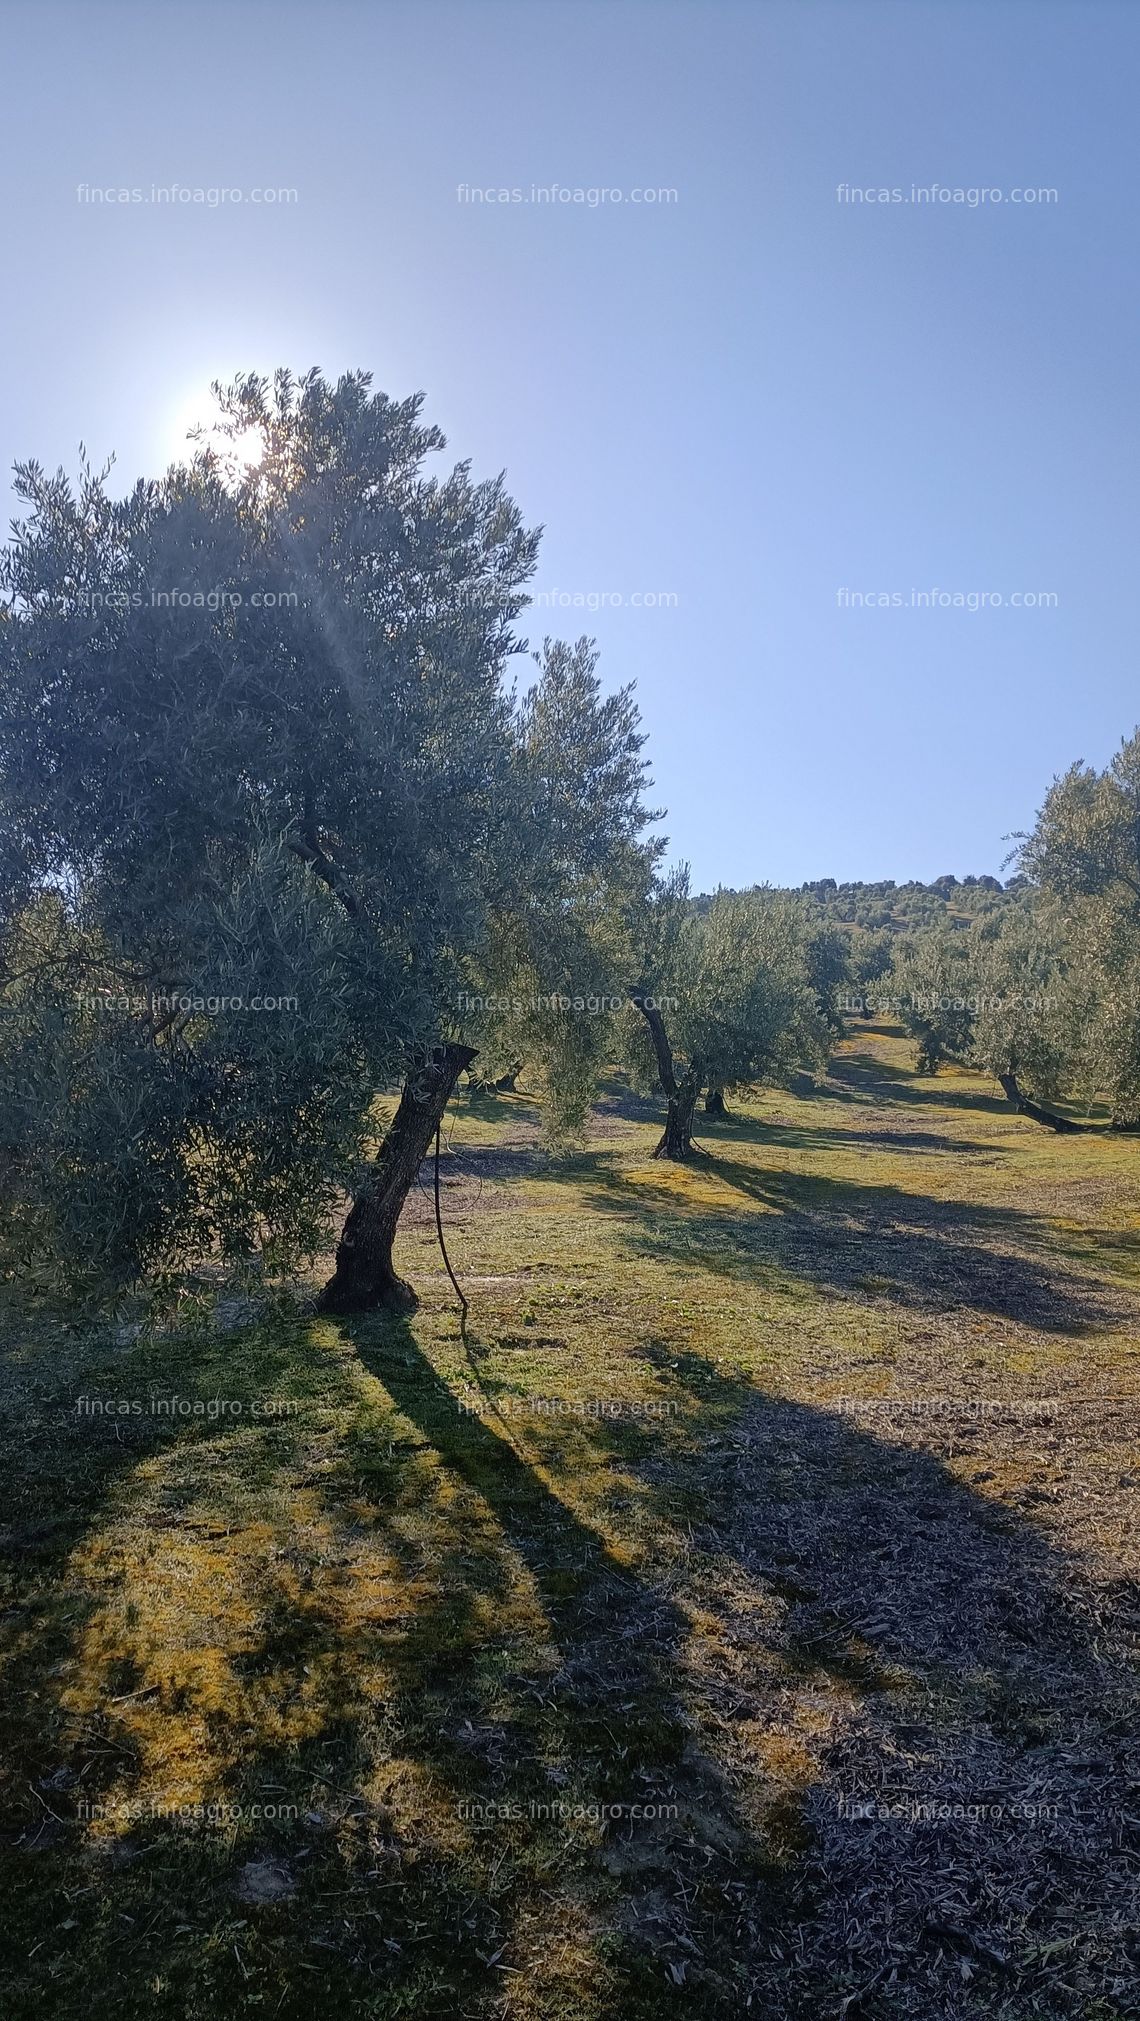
<point>549,1672</point>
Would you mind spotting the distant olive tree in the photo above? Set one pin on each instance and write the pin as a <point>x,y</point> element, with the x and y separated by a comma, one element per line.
<point>1003,996</point>
<point>726,998</point>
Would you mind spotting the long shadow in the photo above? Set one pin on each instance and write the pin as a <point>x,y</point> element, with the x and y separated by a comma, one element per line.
<point>531,1665</point>
<point>741,1129</point>
<point>606,1718</point>
<point>69,1439</point>
<point>867,1077</point>
<point>890,1587</point>
<point>488,1161</point>
<point>62,1490</point>
<point>911,1249</point>
<point>943,1652</point>
<point>600,1725</point>
<point>984,1664</point>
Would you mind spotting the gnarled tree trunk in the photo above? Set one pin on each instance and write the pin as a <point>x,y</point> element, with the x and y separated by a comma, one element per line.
<point>677,1141</point>
<point>681,1095</point>
<point>364,1279</point>
<point>1024,1107</point>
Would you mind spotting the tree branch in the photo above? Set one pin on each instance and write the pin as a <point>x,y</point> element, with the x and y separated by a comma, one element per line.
<point>309,850</point>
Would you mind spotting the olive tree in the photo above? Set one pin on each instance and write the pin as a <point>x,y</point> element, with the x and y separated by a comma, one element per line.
<point>257,742</point>
<point>1084,851</point>
<point>1002,995</point>
<point>931,989</point>
<point>726,996</point>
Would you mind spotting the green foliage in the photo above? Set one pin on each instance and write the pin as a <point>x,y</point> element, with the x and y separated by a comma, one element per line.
<point>1029,1018</point>
<point>735,986</point>
<point>870,955</point>
<point>546,985</point>
<point>256,742</point>
<point>149,1120</point>
<point>1085,851</point>
<point>753,1010</point>
<point>828,952</point>
<point>1086,841</point>
<point>933,994</point>
<point>1003,996</point>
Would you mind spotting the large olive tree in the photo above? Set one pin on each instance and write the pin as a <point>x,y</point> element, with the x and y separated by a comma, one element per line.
<point>257,742</point>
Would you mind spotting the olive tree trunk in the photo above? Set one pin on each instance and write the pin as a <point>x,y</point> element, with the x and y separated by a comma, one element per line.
<point>677,1140</point>
<point>364,1279</point>
<point>680,1095</point>
<point>1023,1105</point>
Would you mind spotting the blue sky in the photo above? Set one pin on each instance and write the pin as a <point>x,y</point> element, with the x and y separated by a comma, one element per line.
<point>745,403</point>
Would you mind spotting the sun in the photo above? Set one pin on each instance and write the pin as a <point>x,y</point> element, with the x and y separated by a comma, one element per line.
<point>248,447</point>
<point>201,411</point>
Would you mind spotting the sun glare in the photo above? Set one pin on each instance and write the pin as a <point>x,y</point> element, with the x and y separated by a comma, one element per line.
<point>180,444</point>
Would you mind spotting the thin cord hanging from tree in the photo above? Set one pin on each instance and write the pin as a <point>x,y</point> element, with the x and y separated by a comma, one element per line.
<point>439,1232</point>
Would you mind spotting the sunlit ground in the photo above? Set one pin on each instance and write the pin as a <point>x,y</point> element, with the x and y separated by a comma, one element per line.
<point>406,1690</point>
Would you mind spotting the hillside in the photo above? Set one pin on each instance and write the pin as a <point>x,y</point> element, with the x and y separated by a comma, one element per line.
<point>898,908</point>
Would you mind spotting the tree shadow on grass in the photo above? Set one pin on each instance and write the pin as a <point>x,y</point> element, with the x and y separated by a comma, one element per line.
<point>958,1657</point>
<point>868,1077</point>
<point>573,1704</point>
<point>741,1129</point>
<point>450,1649</point>
<point>73,1448</point>
<point>976,1802</point>
<point>909,1248</point>
<point>115,1527</point>
<point>448,1667</point>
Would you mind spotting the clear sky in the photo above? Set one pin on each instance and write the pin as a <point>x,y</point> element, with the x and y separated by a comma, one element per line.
<point>750,402</point>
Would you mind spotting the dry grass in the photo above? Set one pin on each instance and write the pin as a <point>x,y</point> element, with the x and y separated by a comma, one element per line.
<point>856,1528</point>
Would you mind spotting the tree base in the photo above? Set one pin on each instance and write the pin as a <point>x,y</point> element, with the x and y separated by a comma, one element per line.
<point>342,1298</point>
<point>364,1279</point>
<point>679,1150</point>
